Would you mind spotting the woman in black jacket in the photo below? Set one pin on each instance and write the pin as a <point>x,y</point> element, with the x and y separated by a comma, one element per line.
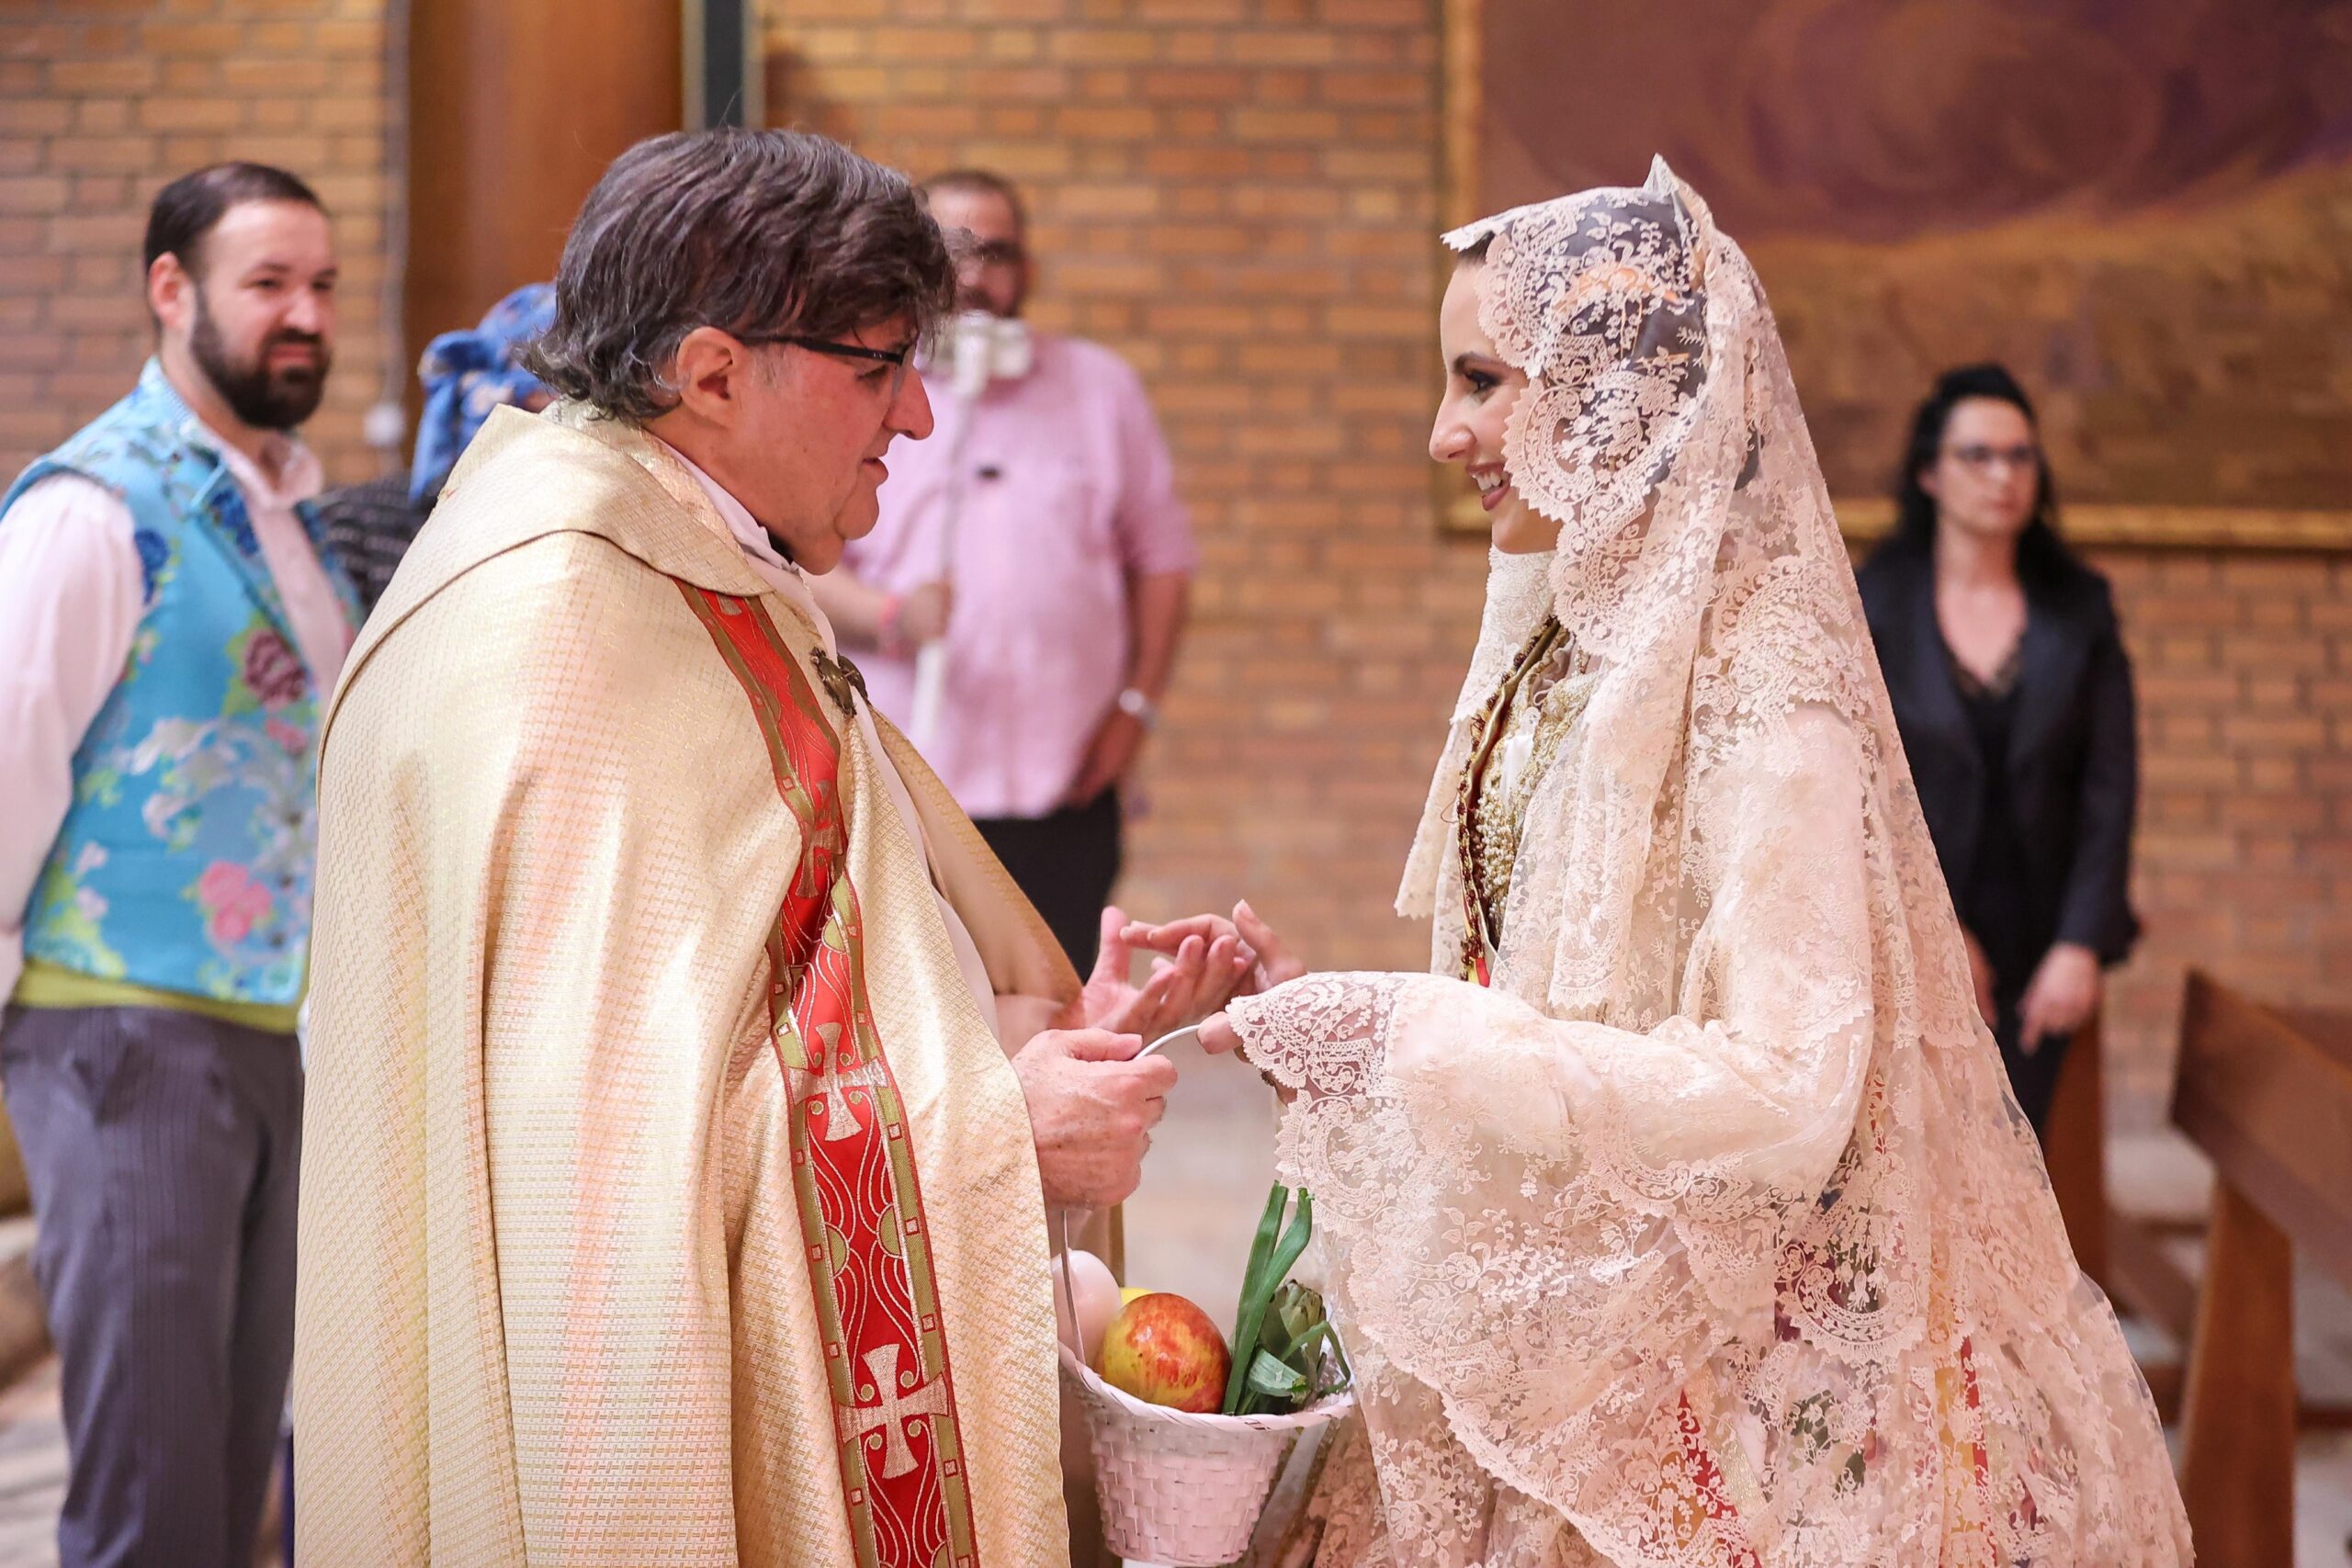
<point>2013,696</point>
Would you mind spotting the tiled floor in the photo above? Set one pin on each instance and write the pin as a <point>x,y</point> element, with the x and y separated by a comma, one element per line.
<point>32,1470</point>
<point>1189,1231</point>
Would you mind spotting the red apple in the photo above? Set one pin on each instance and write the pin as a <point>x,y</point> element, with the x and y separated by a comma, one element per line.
<point>1164,1350</point>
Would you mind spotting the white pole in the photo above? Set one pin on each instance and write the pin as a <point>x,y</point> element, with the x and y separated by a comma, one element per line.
<point>930,659</point>
<point>971,345</point>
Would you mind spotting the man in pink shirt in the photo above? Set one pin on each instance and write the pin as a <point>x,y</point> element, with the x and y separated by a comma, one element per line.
<point>1038,534</point>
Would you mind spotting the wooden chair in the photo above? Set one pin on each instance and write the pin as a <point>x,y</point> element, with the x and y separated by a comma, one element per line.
<point>2266,1093</point>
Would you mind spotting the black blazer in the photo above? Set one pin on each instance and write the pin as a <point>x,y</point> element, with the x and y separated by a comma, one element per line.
<point>2074,756</point>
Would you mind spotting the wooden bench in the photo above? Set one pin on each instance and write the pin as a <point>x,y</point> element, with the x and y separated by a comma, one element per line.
<point>2124,1252</point>
<point>2266,1093</point>
<point>2075,1147</point>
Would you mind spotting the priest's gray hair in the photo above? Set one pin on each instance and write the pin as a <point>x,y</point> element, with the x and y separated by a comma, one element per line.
<point>753,232</point>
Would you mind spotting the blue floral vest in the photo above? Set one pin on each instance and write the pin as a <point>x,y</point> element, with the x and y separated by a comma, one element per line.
<point>184,863</point>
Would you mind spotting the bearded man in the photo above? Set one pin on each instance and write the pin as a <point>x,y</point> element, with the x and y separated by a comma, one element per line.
<point>686,1110</point>
<point>171,621</point>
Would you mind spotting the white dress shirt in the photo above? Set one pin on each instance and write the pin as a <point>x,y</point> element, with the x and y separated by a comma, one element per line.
<point>72,595</point>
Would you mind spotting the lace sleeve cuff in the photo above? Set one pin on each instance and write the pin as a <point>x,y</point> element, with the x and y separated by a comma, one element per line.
<point>1325,1034</point>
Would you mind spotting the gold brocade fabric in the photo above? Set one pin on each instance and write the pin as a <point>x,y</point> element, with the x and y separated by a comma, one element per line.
<point>1517,735</point>
<point>554,1302</point>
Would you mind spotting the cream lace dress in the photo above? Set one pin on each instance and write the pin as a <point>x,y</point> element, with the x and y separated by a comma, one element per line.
<point>1681,1215</point>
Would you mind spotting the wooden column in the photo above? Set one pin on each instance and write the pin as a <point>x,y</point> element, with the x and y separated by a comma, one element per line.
<point>515,106</point>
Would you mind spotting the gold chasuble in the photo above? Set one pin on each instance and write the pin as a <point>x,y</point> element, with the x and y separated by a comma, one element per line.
<point>667,1197</point>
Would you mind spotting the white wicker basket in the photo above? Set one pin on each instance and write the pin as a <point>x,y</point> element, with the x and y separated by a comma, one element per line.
<point>1183,1489</point>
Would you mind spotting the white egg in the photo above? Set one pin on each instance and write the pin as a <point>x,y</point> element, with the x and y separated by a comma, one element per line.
<point>1097,1295</point>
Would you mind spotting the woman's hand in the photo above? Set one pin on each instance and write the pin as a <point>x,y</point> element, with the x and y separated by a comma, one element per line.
<point>2064,995</point>
<point>1271,961</point>
<point>1195,977</point>
<point>1218,1036</point>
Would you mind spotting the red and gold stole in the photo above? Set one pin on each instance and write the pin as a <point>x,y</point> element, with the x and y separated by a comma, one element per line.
<point>853,1168</point>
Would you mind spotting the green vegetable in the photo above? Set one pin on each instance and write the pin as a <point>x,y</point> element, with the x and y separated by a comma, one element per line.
<point>1270,1265</point>
<point>1296,1333</point>
<point>1275,1381</point>
<point>1292,1314</point>
<point>1245,1327</point>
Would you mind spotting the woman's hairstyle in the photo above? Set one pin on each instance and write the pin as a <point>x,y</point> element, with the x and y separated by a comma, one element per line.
<point>2042,556</point>
<point>752,232</point>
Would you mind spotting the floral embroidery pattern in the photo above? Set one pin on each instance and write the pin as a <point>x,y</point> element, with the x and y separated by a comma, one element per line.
<point>229,513</point>
<point>77,914</point>
<point>153,556</point>
<point>232,902</point>
<point>273,672</point>
<point>198,774</point>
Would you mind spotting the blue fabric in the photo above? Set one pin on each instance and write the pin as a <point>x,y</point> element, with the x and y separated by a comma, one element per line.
<point>184,862</point>
<point>467,375</point>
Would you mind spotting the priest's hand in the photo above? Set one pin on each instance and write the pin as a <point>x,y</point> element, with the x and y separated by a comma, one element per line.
<point>1091,1110</point>
<point>1193,980</point>
<point>1271,962</point>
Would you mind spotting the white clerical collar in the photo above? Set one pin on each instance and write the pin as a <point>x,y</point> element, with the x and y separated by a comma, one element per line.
<point>759,551</point>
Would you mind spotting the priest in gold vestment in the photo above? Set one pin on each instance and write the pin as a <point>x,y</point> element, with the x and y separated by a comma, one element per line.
<point>669,1196</point>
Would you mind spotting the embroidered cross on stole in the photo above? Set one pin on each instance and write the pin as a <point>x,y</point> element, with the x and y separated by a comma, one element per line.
<point>861,1227</point>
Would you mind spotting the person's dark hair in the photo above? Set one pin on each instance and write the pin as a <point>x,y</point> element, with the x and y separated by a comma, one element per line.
<point>986,182</point>
<point>186,210</point>
<point>752,232</point>
<point>2042,556</point>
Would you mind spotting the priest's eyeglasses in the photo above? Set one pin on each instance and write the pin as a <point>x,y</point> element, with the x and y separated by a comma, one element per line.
<point>894,357</point>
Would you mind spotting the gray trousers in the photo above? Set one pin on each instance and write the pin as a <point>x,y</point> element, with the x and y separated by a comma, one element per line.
<point>162,1149</point>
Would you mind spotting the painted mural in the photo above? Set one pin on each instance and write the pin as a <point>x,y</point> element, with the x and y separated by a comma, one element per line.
<point>2143,206</point>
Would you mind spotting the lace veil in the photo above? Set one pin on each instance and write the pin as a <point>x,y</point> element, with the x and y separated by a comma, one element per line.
<point>1708,1233</point>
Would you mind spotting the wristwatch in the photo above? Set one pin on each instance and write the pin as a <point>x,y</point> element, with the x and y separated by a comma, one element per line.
<point>1137,706</point>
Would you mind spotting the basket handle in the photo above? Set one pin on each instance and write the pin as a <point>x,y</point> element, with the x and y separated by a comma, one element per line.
<point>1061,1218</point>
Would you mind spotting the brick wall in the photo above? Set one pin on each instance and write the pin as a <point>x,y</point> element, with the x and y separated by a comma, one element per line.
<point>2244,852</point>
<point>1238,195</point>
<point>101,103</point>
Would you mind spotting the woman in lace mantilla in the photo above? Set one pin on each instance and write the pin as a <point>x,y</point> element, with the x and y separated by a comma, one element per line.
<point>1681,1215</point>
